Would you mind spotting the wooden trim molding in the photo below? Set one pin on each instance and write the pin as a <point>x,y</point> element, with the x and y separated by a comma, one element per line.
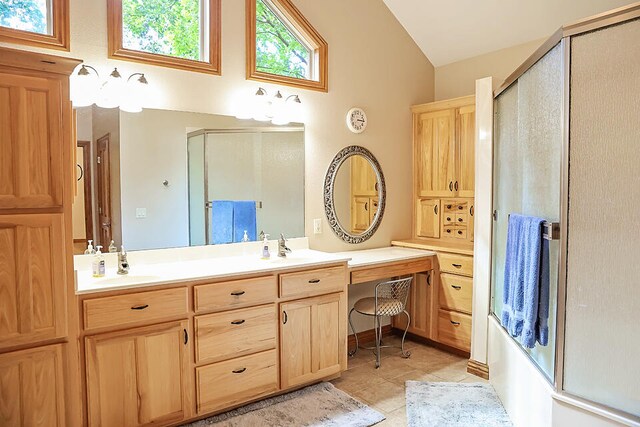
<point>478,369</point>
<point>58,39</point>
<point>367,337</point>
<point>117,51</point>
<point>302,25</point>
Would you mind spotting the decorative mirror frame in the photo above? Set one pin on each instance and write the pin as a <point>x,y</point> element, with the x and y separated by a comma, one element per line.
<point>329,203</point>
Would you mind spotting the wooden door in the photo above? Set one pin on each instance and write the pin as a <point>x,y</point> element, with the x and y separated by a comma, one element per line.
<point>428,218</point>
<point>104,191</point>
<point>310,339</point>
<point>32,387</point>
<point>33,285</point>
<point>363,177</point>
<point>419,306</point>
<point>138,376</point>
<point>360,215</point>
<point>85,180</point>
<point>31,146</point>
<point>435,156</point>
<point>373,209</point>
<point>465,148</point>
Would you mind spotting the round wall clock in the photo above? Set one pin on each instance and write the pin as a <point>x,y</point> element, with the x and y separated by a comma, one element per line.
<point>356,120</point>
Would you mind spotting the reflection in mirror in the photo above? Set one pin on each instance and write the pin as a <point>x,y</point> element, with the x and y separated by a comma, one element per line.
<point>354,194</point>
<point>161,179</point>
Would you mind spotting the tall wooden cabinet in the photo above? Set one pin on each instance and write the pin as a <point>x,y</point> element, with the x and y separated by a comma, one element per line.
<point>38,366</point>
<point>363,194</point>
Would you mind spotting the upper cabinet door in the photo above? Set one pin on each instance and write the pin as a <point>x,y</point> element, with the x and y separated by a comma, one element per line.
<point>466,122</point>
<point>428,218</point>
<point>31,146</point>
<point>32,279</point>
<point>435,153</point>
<point>363,178</point>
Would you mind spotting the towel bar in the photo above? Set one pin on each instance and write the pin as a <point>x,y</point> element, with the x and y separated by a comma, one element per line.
<point>550,230</point>
<point>258,205</point>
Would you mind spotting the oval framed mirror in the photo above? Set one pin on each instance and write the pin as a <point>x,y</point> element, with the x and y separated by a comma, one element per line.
<point>354,194</point>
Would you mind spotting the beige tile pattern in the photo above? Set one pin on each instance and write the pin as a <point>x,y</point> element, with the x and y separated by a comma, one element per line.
<point>383,389</point>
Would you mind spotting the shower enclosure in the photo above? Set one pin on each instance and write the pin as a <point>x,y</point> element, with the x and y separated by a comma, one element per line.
<point>261,164</point>
<point>567,149</point>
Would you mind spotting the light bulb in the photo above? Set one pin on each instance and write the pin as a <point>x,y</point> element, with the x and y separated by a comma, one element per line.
<point>84,86</point>
<point>110,93</point>
<point>135,92</point>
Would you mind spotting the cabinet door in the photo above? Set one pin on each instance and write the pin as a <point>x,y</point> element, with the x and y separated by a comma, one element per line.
<point>418,306</point>
<point>373,209</point>
<point>139,376</point>
<point>33,284</point>
<point>472,220</point>
<point>428,218</point>
<point>435,156</point>
<point>465,147</point>
<point>363,177</point>
<point>312,340</point>
<point>32,388</point>
<point>31,144</point>
<point>360,215</point>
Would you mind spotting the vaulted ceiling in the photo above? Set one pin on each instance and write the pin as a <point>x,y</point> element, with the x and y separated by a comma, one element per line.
<point>452,30</point>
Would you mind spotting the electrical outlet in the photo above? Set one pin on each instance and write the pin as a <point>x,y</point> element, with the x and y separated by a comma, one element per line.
<point>141,212</point>
<point>317,226</point>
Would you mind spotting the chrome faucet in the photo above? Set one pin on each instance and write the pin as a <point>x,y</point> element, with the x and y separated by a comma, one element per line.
<point>123,264</point>
<point>282,246</point>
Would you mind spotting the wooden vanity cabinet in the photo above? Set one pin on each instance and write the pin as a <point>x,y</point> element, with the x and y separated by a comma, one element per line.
<point>138,376</point>
<point>420,305</point>
<point>312,338</point>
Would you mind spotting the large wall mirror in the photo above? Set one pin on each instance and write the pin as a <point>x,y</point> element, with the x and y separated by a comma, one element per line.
<point>354,194</point>
<point>163,179</point>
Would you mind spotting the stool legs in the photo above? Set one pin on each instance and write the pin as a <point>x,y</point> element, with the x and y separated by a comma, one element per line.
<point>378,328</point>
<point>405,354</point>
<point>355,350</point>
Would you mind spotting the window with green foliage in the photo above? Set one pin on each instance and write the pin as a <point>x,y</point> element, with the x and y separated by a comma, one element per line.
<point>283,47</point>
<point>166,27</point>
<point>26,15</point>
<point>181,34</point>
<point>278,50</point>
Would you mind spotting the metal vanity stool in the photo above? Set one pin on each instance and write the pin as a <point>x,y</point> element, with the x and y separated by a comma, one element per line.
<point>390,300</point>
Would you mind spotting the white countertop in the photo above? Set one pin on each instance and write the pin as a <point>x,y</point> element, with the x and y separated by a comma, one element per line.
<point>370,257</point>
<point>197,269</point>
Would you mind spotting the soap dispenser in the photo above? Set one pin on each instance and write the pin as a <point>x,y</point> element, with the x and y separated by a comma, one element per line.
<point>265,247</point>
<point>245,238</point>
<point>90,250</point>
<point>98,266</point>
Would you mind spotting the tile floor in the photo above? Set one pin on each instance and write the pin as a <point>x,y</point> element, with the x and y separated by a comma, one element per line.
<point>383,389</point>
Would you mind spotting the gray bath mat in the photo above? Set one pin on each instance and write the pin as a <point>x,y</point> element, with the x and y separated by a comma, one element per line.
<point>454,405</point>
<point>320,405</point>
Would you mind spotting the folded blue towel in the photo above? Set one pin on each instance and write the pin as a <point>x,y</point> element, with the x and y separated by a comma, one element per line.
<point>526,281</point>
<point>221,221</point>
<point>244,218</point>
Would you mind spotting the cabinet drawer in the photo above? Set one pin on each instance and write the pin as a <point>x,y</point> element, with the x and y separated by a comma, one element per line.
<point>460,232</point>
<point>238,293</point>
<point>236,381</point>
<point>456,264</point>
<point>462,218</point>
<point>141,307</point>
<point>313,282</point>
<point>235,333</point>
<point>454,329</point>
<point>456,292</point>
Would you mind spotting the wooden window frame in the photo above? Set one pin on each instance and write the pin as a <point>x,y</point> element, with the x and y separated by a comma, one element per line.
<point>59,39</point>
<point>319,53</point>
<point>118,51</point>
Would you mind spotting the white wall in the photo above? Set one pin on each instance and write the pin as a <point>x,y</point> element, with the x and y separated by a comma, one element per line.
<point>373,63</point>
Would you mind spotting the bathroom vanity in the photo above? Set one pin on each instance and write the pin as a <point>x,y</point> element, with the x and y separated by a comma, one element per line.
<point>177,341</point>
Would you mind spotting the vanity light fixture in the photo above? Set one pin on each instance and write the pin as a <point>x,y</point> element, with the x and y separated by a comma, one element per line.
<point>113,92</point>
<point>278,109</point>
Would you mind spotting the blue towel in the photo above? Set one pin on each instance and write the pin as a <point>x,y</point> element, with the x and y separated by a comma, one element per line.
<point>526,281</point>
<point>221,221</point>
<point>244,218</point>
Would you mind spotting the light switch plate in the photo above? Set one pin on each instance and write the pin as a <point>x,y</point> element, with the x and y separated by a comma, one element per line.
<point>141,212</point>
<point>317,226</point>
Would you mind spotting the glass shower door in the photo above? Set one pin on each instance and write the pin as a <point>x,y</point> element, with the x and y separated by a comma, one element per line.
<point>527,180</point>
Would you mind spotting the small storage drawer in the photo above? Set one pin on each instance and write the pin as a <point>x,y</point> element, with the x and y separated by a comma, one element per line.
<point>235,294</point>
<point>462,218</point>
<point>235,333</point>
<point>140,307</point>
<point>456,264</point>
<point>313,282</point>
<point>456,292</point>
<point>454,329</point>
<point>460,232</point>
<point>235,381</point>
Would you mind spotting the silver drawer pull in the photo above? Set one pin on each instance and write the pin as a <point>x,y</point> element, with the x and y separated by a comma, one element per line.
<point>314,281</point>
<point>454,323</point>
<point>237,293</point>
<point>140,307</point>
<point>239,371</point>
<point>457,288</point>
<point>238,322</point>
